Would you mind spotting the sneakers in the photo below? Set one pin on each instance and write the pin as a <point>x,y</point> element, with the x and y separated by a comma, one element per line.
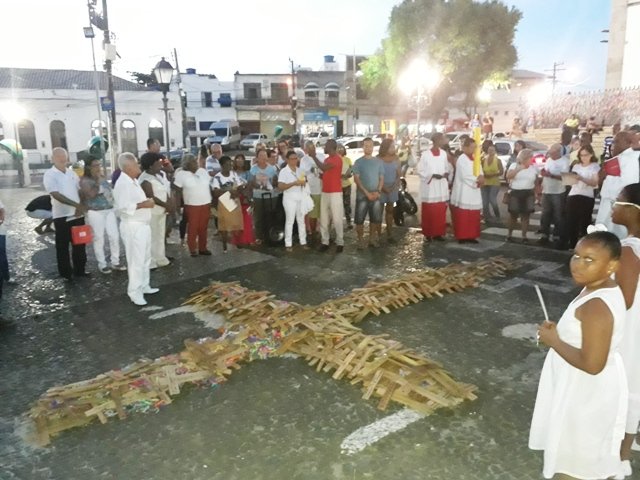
<point>150,291</point>
<point>119,268</point>
<point>105,270</point>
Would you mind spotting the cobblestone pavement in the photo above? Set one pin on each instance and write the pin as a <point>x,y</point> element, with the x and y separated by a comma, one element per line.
<point>276,419</point>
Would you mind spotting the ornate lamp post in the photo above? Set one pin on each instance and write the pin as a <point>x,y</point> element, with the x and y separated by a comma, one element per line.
<point>163,72</point>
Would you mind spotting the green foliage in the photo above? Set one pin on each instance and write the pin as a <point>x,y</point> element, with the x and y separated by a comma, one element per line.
<point>146,79</point>
<point>469,41</point>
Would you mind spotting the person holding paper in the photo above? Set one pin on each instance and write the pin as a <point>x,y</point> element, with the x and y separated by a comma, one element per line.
<point>580,200</point>
<point>226,186</point>
<point>581,404</point>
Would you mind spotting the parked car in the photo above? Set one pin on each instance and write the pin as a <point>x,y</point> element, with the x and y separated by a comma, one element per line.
<point>250,141</point>
<point>354,147</point>
<point>453,139</point>
<point>504,150</point>
<point>318,138</point>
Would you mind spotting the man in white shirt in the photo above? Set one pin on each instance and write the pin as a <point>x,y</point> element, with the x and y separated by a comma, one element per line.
<point>627,158</point>
<point>212,163</point>
<point>134,209</point>
<point>67,212</point>
<point>312,172</point>
<point>553,193</point>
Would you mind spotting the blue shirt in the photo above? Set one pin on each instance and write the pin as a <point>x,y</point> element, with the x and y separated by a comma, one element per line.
<point>369,170</point>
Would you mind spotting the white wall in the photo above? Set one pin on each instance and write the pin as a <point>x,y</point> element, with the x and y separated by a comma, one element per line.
<point>78,109</point>
<point>193,85</point>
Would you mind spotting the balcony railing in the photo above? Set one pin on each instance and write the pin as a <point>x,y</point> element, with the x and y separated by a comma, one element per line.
<point>262,101</point>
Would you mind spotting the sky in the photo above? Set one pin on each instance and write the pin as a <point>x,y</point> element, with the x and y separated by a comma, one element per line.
<point>259,36</point>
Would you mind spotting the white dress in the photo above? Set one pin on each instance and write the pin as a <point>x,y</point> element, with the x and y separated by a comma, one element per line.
<point>630,348</point>
<point>579,419</point>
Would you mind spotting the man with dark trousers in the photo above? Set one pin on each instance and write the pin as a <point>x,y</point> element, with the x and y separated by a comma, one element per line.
<point>63,185</point>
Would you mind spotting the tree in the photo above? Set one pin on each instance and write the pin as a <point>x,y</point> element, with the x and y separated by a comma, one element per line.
<point>146,79</point>
<point>470,42</point>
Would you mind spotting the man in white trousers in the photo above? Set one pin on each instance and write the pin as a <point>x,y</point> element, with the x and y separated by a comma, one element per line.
<point>134,209</point>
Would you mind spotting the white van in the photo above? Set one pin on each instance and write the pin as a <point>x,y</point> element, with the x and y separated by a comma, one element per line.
<point>226,133</point>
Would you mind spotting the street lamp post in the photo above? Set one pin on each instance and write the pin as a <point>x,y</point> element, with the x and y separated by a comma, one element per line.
<point>420,78</point>
<point>163,72</point>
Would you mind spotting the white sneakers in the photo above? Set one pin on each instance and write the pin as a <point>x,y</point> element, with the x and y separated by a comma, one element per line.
<point>139,299</point>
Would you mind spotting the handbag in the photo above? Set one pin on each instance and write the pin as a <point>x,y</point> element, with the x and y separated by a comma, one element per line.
<point>81,234</point>
<point>307,201</point>
<point>507,197</point>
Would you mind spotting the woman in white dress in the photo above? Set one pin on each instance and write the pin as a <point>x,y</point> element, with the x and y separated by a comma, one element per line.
<point>581,404</point>
<point>291,182</point>
<point>626,212</point>
<point>151,183</point>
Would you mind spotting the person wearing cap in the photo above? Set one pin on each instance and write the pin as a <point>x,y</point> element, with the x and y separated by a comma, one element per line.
<point>134,209</point>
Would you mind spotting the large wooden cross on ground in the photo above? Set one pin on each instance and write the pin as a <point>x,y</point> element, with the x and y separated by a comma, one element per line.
<point>260,326</point>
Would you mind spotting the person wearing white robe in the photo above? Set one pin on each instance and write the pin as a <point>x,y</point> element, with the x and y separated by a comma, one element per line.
<point>134,209</point>
<point>466,197</point>
<point>434,170</point>
<point>627,159</point>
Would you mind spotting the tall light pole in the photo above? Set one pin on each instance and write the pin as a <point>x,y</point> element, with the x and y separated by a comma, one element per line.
<point>419,78</point>
<point>89,33</point>
<point>163,72</point>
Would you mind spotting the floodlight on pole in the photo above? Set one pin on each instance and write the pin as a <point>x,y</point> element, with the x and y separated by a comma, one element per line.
<point>419,79</point>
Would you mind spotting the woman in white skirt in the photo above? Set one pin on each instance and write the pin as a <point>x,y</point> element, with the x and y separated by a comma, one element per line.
<point>581,406</point>
<point>626,212</point>
<point>154,187</point>
<point>291,182</point>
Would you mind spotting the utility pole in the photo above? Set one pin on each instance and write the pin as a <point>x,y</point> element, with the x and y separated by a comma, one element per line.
<point>183,107</point>
<point>294,100</point>
<point>554,74</point>
<point>108,70</point>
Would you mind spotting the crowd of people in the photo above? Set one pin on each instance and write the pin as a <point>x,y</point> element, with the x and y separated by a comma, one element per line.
<point>605,107</point>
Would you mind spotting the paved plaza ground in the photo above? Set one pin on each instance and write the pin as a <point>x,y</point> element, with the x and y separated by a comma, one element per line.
<point>279,418</point>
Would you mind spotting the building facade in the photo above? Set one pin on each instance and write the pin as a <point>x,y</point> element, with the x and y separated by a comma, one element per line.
<point>623,70</point>
<point>206,100</point>
<point>60,110</point>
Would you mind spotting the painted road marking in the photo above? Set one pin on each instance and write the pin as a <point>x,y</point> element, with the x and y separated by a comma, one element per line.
<point>376,431</point>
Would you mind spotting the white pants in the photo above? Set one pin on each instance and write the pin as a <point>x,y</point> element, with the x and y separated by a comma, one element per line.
<point>331,210</point>
<point>158,233</point>
<point>293,213</point>
<point>604,217</point>
<point>102,221</point>
<point>136,237</point>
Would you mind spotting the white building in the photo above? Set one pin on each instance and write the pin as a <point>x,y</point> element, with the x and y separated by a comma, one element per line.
<point>623,69</point>
<point>60,110</point>
<point>207,100</point>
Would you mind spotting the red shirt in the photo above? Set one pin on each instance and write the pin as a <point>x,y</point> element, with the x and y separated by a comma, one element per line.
<point>332,178</point>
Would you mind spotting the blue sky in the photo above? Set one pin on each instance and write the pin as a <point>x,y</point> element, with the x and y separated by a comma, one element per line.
<point>258,36</point>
